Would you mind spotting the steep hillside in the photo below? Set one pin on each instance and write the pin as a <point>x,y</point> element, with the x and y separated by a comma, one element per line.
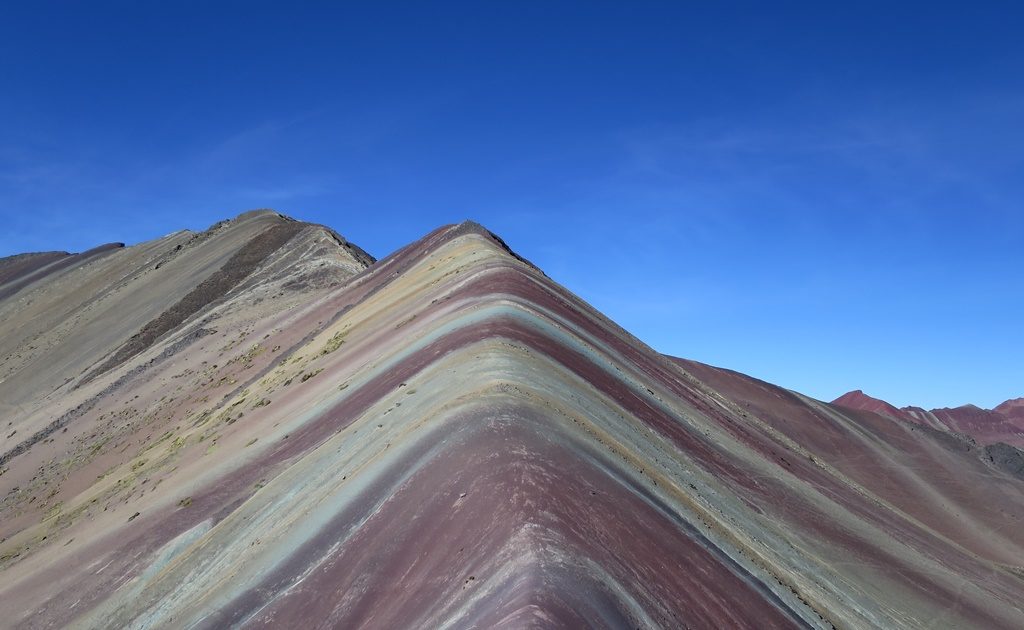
<point>448,438</point>
<point>64,322</point>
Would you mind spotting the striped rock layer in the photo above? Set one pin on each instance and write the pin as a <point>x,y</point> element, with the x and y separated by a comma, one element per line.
<point>448,439</point>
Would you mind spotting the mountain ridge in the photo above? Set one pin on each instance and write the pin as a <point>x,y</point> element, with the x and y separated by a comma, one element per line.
<point>1009,405</point>
<point>1003,423</point>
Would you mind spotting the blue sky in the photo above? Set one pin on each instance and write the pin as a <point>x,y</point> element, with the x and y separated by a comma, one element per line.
<point>826,197</point>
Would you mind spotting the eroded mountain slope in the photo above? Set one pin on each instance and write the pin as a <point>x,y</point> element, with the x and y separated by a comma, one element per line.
<point>95,312</point>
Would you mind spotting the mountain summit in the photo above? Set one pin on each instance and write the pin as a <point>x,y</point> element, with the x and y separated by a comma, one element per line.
<point>259,425</point>
<point>857,399</point>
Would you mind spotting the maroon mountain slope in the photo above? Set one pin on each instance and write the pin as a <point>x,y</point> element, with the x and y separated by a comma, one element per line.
<point>1012,409</point>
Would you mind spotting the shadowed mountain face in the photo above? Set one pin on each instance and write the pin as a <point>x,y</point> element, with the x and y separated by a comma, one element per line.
<point>258,426</point>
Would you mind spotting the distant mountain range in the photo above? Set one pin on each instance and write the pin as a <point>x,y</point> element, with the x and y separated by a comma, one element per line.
<point>1005,423</point>
<point>260,425</point>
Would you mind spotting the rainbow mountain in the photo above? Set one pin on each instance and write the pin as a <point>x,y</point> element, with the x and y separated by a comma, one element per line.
<point>259,425</point>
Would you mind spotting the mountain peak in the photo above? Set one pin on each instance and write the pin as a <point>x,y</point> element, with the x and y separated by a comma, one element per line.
<point>857,399</point>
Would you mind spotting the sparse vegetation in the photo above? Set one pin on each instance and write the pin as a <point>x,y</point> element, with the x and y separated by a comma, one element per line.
<point>334,342</point>
<point>309,375</point>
